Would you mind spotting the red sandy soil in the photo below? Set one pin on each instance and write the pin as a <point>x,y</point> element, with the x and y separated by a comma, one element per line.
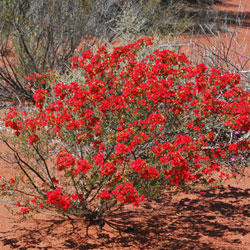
<point>232,5</point>
<point>237,39</point>
<point>217,220</point>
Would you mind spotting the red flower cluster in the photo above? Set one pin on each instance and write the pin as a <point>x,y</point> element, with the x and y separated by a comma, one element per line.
<point>65,159</point>
<point>58,199</point>
<point>38,80</point>
<point>127,194</point>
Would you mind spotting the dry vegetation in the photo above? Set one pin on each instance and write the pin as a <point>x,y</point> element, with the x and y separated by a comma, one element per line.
<point>41,35</point>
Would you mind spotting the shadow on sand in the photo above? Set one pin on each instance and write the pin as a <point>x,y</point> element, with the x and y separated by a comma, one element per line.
<point>166,224</point>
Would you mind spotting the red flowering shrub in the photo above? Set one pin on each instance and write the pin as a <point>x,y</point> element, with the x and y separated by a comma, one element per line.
<point>132,126</point>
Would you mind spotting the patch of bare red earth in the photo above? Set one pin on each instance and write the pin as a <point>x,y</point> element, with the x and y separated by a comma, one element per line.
<point>237,39</point>
<point>218,220</point>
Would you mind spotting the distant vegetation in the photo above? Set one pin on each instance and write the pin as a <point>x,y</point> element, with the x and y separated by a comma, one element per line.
<point>41,35</point>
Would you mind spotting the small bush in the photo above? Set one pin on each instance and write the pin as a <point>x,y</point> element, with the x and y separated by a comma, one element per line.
<point>129,128</point>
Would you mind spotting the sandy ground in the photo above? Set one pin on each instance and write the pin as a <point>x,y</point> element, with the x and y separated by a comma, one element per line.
<point>216,220</point>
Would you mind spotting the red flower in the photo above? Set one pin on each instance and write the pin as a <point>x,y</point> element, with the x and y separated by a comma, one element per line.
<point>105,195</point>
<point>12,181</point>
<point>34,200</point>
<point>82,166</point>
<point>33,139</point>
<point>23,210</point>
<point>122,149</point>
<point>65,160</point>
<point>58,199</point>
<point>138,165</point>
<point>107,169</point>
<point>99,159</point>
